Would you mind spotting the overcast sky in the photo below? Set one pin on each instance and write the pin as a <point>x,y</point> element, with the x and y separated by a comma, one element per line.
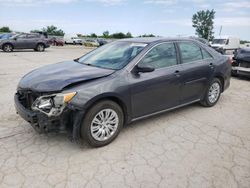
<point>160,17</point>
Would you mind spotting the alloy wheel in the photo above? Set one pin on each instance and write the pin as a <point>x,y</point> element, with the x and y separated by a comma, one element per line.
<point>104,124</point>
<point>214,92</point>
<point>7,48</point>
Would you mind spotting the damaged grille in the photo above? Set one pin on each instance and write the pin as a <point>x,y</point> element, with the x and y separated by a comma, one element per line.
<point>27,98</point>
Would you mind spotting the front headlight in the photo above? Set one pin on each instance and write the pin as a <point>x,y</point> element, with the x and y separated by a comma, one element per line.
<point>63,98</point>
<point>52,105</point>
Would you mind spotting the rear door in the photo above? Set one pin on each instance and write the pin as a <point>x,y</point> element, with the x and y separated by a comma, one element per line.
<point>158,90</point>
<point>31,41</point>
<point>197,70</point>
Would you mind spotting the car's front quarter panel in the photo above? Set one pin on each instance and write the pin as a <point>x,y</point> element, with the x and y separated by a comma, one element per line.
<point>113,86</point>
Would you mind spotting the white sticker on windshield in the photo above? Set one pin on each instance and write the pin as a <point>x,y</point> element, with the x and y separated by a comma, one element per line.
<point>138,45</point>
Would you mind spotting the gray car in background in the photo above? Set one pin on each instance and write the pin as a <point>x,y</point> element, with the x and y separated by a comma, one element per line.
<point>25,41</point>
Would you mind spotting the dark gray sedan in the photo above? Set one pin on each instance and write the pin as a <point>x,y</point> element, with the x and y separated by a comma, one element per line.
<point>95,95</point>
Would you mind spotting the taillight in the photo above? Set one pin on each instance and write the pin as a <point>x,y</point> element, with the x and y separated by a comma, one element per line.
<point>230,60</point>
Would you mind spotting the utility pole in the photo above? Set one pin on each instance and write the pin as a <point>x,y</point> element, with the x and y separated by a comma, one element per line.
<point>220,30</point>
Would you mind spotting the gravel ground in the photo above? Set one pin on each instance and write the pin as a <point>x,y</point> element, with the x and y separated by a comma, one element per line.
<point>189,147</point>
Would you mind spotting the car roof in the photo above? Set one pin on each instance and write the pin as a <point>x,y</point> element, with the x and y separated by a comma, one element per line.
<point>157,39</point>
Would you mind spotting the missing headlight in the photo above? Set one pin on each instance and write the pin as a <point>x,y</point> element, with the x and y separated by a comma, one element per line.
<point>52,105</point>
<point>48,105</point>
<point>45,104</point>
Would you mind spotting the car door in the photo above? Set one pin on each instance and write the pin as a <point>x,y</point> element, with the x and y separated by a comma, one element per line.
<point>31,41</point>
<point>157,90</point>
<point>197,69</point>
<point>20,41</point>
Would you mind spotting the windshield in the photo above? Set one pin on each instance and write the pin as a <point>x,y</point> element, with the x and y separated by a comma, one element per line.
<point>220,41</point>
<point>15,36</point>
<point>114,56</point>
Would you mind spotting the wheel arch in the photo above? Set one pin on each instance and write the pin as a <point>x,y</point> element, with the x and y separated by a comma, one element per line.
<point>40,43</point>
<point>7,43</point>
<point>112,97</point>
<point>221,78</point>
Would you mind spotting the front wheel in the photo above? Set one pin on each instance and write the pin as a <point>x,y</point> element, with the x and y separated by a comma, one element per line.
<point>102,123</point>
<point>7,48</point>
<point>212,94</point>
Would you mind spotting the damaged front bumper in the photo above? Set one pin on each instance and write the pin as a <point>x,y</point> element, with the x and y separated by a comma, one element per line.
<point>68,121</point>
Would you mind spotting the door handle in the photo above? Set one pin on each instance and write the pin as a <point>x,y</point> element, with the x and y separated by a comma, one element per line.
<point>177,73</point>
<point>211,65</point>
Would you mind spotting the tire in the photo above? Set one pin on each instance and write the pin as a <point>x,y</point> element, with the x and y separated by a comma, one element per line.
<point>99,133</point>
<point>7,48</point>
<point>234,73</point>
<point>40,47</point>
<point>212,94</point>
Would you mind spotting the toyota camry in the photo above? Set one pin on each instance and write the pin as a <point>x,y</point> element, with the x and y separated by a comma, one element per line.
<point>92,97</point>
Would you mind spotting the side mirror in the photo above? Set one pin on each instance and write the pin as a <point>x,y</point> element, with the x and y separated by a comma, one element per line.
<point>15,38</point>
<point>143,69</point>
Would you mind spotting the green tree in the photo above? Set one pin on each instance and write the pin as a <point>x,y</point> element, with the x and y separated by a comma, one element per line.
<point>105,34</point>
<point>147,35</point>
<point>93,35</point>
<point>129,35</point>
<point>119,35</point>
<point>204,24</point>
<point>52,30</point>
<point>5,29</point>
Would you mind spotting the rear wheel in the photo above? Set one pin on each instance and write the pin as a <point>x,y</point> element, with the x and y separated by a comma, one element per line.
<point>102,123</point>
<point>213,93</point>
<point>7,48</point>
<point>40,47</point>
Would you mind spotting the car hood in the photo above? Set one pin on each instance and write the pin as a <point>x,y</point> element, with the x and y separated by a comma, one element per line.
<point>52,78</point>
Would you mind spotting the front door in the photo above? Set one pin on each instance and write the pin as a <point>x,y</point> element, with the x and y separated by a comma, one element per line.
<point>20,41</point>
<point>155,91</point>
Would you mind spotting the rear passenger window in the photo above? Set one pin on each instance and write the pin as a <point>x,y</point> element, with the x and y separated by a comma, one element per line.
<point>206,55</point>
<point>32,36</point>
<point>190,52</point>
<point>162,55</point>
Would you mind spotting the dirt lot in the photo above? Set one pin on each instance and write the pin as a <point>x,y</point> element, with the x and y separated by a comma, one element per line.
<point>189,147</point>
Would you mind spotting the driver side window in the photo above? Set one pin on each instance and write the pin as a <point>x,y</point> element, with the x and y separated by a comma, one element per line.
<point>162,55</point>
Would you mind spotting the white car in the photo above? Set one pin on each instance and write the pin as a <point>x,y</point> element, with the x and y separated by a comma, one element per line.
<point>91,43</point>
<point>223,44</point>
<point>72,39</point>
